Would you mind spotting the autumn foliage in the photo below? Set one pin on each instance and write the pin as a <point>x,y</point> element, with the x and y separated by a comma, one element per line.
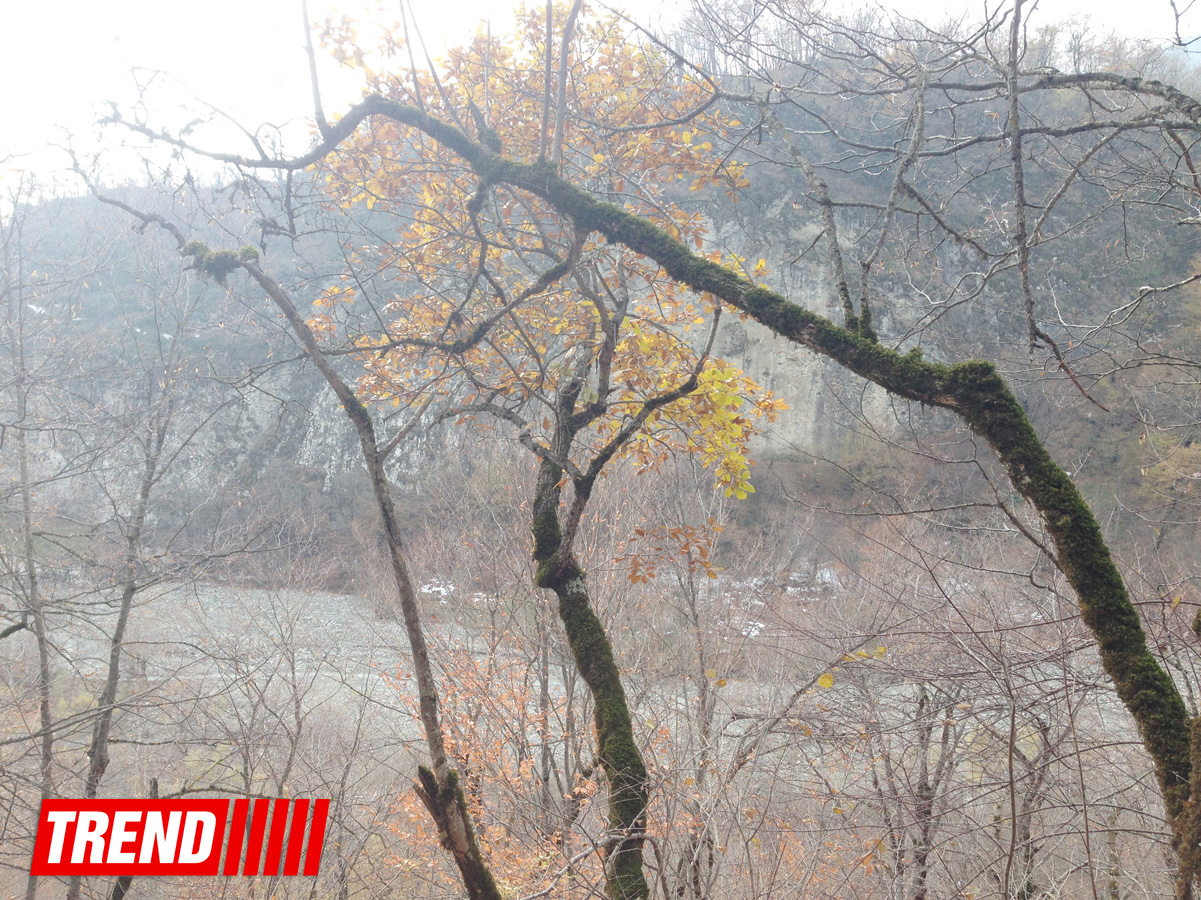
<point>494,303</point>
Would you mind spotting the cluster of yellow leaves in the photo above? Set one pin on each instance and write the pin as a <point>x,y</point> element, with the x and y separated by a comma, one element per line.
<point>638,125</point>
<point>826,679</point>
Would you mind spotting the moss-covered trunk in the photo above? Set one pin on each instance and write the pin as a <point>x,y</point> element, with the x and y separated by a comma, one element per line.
<point>617,748</point>
<point>979,394</point>
<point>972,389</point>
<point>976,391</point>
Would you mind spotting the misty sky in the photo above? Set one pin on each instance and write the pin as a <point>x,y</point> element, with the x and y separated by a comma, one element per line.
<point>62,60</point>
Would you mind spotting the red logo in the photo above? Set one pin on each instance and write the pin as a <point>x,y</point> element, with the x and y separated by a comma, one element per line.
<point>179,837</point>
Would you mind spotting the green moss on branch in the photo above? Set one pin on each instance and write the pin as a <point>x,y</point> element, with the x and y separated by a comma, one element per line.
<point>617,748</point>
<point>217,264</point>
<point>973,389</point>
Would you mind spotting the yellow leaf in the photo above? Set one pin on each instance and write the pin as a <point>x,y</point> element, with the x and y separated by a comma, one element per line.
<point>710,673</point>
<point>721,682</point>
<point>826,681</point>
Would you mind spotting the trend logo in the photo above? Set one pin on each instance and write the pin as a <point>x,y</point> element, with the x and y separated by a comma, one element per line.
<point>180,837</point>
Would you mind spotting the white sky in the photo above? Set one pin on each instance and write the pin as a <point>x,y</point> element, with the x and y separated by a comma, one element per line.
<point>62,60</point>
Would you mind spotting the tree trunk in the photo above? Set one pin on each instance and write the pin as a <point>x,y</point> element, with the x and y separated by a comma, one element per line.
<point>33,612</point>
<point>438,786</point>
<point>106,703</point>
<point>593,654</point>
<point>974,390</point>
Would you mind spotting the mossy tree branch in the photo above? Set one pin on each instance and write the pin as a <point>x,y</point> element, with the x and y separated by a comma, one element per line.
<point>973,389</point>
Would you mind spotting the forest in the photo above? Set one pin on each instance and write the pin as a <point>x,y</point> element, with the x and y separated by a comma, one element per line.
<point>751,458</point>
